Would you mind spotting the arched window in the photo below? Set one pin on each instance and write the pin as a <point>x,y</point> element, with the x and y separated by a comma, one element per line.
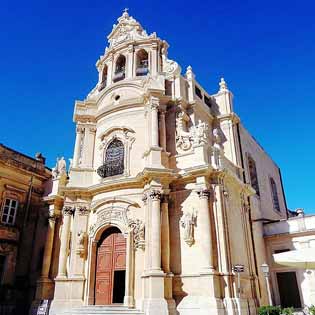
<point>253,174</point>
<point>120,68</point>
<point>142,63</point>
<point>104,78</point>
<point>113,160</point>
<point>274,194</point>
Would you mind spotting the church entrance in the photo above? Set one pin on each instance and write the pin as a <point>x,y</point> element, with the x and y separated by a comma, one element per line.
<point>110,268</point>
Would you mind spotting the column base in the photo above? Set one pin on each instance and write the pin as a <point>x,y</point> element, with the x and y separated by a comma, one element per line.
<point>68,294</point>
<point>237,306</point>
<point>44,289</point>
<point>129,301</point>
<point>155,306</point>
<point>201,305</point>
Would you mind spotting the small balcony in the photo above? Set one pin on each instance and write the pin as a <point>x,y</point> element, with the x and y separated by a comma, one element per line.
<point>118,76</point>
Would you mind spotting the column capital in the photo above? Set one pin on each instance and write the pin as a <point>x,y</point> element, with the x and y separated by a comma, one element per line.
<point>130,48</point>
<point>154,46</point>
<point>79,129</point>
<point>204,193</point>
<point>145,198</point>
<point>165,198</point>
<point>82,210</point>
<point>52,218</point>
<point>92,130</point>
<point>68,210</point>
<point>154,103</point>
<point>155,195</point>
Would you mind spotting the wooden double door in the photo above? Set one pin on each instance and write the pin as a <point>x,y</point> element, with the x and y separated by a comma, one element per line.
<point>110,268</point>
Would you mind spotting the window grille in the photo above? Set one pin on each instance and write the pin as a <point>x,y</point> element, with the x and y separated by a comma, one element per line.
<point>253,175</point>
<point>113,161</point>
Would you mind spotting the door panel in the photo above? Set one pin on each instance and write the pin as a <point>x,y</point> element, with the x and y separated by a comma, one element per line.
<point>111,256</point>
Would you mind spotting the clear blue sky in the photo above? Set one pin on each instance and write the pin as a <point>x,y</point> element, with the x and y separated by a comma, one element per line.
<point>264,49</point>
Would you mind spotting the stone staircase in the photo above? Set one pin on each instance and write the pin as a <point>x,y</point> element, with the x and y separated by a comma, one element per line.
<point>103,310</point>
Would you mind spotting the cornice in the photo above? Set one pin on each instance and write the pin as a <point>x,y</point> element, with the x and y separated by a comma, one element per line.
<point>230,116</point>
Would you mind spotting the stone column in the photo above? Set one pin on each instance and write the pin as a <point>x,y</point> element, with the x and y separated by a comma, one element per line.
<point>205,227</point>
<point>130,62</point>
<point>78,140</point>
<point>162,129</point>
<point>154,59</point>
<point>155,235</point>
<point>128,298</point>
<point>165,235</point>
<point>64,241</point>
<point>154,122</point>
<point>147,235</point>
<point>109,70</point>
<point>48,247</point>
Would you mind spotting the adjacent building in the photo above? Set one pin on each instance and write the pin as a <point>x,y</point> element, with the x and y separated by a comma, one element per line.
<point>23,224</point>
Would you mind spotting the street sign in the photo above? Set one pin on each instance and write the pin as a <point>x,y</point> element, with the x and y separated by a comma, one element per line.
<point>238,268</point>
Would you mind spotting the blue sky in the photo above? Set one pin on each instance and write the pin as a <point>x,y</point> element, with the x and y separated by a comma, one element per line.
<point>264,49</point>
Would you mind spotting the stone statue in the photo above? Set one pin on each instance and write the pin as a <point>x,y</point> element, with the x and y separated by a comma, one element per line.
<point>60,168</point>
<point>183,136</point>
<point>61,165</point>
<point>217,146</point>
<point>188,222</point>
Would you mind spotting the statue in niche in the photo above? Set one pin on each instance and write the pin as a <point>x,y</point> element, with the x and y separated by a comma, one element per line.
<point>183,136</point>
<point>217,146</point>
<point>188,222</point>
<point>80,243</point>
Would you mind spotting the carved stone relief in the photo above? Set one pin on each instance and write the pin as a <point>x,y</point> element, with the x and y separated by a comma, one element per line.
<point>138,231</point>
<point>186,137</point>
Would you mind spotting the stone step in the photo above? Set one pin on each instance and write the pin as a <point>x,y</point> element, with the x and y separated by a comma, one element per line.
<point>103,310</point>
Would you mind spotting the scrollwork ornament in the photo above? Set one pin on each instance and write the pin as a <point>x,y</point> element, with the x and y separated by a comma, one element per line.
<point>139,233</point>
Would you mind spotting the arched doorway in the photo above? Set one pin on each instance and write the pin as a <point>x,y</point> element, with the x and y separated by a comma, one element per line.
<point>110,268</point>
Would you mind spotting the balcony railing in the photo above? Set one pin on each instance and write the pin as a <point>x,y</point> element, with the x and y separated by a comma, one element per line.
<point>118,76</point>
<point>102,86</point>
<point>142,70</point>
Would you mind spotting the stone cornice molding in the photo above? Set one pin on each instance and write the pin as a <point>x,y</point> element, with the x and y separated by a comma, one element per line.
<point>231,116</point>
<point>110,130</point>
<point>111,200</point>
<point>68,210</point>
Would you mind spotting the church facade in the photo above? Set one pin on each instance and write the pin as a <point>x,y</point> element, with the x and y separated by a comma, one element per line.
<point>162,198</point>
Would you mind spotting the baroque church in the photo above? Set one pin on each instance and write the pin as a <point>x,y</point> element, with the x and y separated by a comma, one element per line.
<point>162,198</point>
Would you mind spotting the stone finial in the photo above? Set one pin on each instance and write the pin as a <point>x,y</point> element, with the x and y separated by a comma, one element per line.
<point>189,73</point>
<point>223,85</point>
